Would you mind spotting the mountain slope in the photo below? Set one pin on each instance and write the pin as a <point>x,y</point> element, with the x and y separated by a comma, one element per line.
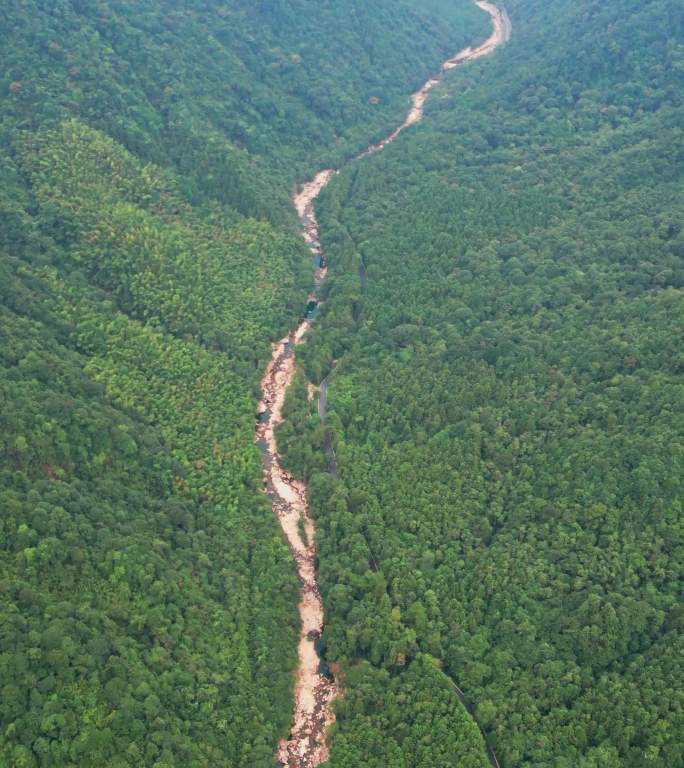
<point>148,256</point>
<point>503,327</point>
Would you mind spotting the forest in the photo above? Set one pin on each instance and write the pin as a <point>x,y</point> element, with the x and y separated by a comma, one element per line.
<point>502,340</point>
<point>148,257</point>
<point>500,548</point>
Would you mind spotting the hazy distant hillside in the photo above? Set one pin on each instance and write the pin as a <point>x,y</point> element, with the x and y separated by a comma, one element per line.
<point>227,93</point>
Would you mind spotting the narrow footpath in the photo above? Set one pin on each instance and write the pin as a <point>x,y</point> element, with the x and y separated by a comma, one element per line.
<point>314,689</point>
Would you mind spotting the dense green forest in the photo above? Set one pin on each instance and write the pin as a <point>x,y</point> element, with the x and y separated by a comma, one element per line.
<point>502,329</point>
<point>242,98</point>
<point>503,333</point>
<point>148,257</point>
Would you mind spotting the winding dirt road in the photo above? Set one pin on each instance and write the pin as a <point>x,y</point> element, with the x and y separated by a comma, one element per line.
<point>314,690</point>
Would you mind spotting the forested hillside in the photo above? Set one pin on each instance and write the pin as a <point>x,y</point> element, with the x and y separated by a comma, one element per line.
<point>503,329</point>
<point>148,257</point>
<point>238,96</point>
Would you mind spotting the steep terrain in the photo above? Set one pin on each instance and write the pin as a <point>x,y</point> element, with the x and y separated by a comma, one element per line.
<point>502,330</point>
<point>315,686</point>
<point>502,335</point>
<point>148,256</point>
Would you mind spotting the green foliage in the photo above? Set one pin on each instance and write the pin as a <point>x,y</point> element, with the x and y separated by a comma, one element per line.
<point>216,277</point>
<point>505,407</point>
<point>507,401</point>
<point>411,720</point>
<point>240,98</point>
<point>301,435</point>
<point>139,592</point>
<point>148,256</point>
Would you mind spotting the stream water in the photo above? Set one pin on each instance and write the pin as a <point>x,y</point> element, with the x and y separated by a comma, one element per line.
<point>315,689</point>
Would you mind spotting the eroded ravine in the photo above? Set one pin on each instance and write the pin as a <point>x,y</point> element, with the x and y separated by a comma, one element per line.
<point>314,690</point>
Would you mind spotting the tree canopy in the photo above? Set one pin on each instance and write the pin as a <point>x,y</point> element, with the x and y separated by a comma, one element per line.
<point>503,333</point>
<point>148,257</point>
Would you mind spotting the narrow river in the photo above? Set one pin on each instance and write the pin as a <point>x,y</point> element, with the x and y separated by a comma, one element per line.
<point>314,691</point>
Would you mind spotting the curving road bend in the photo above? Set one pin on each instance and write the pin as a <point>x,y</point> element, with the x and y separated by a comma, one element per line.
<point>314,690</point>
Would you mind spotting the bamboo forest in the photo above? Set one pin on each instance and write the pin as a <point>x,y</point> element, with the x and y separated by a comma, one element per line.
<point>342,384</point>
